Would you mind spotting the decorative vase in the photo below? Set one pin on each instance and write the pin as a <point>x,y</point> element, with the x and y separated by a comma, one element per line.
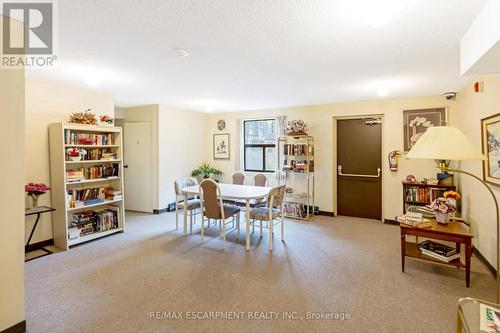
<point>34,200</point>
<point>442,218</point>
<point>76,158</point>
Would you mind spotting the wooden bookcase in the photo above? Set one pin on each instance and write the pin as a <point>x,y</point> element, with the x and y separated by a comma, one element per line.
<point>296,154</point>
<point>418,194</point>
<point>59,140</point>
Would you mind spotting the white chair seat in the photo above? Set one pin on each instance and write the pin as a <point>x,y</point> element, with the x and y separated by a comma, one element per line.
<point>191,204</point>
<point>262,213</point>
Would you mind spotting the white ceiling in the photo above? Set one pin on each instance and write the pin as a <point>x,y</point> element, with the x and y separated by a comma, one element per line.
<point>254,54</point>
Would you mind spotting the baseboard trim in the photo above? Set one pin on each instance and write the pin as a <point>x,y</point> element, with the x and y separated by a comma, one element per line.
<point>39,245</point>
<point>389,221</point>
<point>17,328</point>
<point>485,262</point>
<point>325,213</point>
<point>160,211</point>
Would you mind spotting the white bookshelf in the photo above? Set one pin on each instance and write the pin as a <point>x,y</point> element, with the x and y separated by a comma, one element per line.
<point>60,186</point>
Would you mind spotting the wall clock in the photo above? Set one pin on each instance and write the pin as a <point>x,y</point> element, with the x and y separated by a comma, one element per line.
<point>221,124</point>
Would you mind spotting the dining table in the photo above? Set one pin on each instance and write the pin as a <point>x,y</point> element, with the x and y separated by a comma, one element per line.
<point>245,193</point>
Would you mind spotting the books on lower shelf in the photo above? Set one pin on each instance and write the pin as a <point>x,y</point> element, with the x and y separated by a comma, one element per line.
<point>489,319</point>
<point>90,222</point>
<point>439,251</point>
<point>94,172</point>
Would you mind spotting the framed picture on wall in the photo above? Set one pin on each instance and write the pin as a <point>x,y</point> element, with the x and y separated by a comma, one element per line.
<point>416,122</point>
<point>490,138</point>
<point>221,146</point>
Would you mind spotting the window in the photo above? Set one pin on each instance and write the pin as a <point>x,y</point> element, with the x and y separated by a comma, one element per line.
<point>259,145</point>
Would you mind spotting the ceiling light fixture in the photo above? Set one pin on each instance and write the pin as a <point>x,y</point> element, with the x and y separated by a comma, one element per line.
<point>383,90</point>
<point>92,80</point>
<point>181,53</point>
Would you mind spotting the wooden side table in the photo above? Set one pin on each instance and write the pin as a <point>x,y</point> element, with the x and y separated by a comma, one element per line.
<point>456,232</point>
<point>36,211</point>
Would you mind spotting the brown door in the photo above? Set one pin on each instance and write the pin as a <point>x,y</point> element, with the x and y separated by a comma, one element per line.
<point>359,163</point>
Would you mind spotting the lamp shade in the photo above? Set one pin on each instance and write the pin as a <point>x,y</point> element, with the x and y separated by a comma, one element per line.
<point>444,143</point>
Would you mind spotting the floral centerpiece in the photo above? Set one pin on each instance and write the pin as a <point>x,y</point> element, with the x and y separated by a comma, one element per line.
<point>35,190</point>
<point>295,127</point>
<point>76,154</point>
<point>443,208</point>
<point>86,117</point>
<point>204,171</point>
<point>106,120</point>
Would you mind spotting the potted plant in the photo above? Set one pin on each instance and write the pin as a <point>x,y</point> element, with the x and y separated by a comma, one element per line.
<point>76,154</point>
<point>452,196</point>
<point>204,171</point>
<point>34,191</point>
<point>296,127</point>
<point>443,208</point>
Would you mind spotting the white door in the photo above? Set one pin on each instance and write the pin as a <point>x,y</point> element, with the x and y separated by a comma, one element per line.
<point>137,166</point>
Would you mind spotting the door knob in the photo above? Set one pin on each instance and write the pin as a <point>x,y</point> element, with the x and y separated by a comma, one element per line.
<point>125,166</point>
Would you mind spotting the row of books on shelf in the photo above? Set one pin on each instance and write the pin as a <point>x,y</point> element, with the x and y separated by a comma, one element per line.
<point>90,222</point>
<point>439,251</point>
<point>424,195</point>
<point>296,149</point>
<point>92,196</point>
<point>96,154</point>
<point>298,166</point>
<point>77,138</point>
<point>94,172</point>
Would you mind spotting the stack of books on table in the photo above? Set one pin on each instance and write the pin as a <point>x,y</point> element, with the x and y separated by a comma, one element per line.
<point>414,219</point>
<point>489,320</point>
<point>438,251</point>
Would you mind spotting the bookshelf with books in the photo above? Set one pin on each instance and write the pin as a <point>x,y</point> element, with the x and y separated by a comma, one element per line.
<point>296,153</point>
<point>419,194</point>
<point>87,193</point>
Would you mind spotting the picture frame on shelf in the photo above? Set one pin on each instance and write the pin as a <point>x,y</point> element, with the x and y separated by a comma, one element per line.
<point>221,146</point>
<point>490,140</point>
<point>416,122</point>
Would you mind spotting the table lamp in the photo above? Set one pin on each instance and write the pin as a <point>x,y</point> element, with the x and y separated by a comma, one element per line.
<point>444,144</point>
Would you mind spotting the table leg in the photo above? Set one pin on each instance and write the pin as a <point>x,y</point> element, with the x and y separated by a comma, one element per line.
<point>184,226</point>
<point>403,252</point>
<point>468,253</point>
<point>457,247</point>
<point>202,220</point>
<point>247,222</point>
<point>32,231</point>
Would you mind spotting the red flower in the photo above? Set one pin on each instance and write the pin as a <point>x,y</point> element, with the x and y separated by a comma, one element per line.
<point>36,188</point>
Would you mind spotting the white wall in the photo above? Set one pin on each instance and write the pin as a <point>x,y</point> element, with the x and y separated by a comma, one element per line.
<point>477,204</point>
<point>183,136</point>
<point>12,104</point>
<point>178,138</point>
<point>320,121</point>
<point>46,103</point>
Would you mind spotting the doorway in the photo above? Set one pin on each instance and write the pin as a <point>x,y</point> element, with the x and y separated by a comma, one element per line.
<point>359,167</point>
<point>138,166</point>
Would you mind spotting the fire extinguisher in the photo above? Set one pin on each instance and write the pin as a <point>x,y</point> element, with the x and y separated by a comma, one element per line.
<point>393,160</point>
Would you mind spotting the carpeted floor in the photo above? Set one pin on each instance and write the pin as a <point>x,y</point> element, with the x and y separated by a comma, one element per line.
<point>340,265</point>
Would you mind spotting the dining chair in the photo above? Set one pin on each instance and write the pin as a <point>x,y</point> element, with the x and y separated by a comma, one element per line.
<point>193,203</point>
<point>238,178</point>
<point>260,179</point>
<point>213,207</point>
<point>271,212</point>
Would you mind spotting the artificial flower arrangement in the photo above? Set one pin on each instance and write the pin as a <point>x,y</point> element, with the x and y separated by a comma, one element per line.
<point>443,208</point>
<point>86,117</point>
<point>106,120</point>
<point>35,190</point>
<point>451,195</point>
<point>76,154</point>
<point>296,127</point>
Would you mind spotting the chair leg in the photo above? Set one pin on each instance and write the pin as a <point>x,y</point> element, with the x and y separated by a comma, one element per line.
<point>261,228</point>
<point>253,226</point>
<point>208,223</point>
<point>191,221</point>
<point>238,226</point>
<point>176,216</point>
<point>224,234</point>
<point>271,235</point>
<point>282,228</point>
<point>202,226</point>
